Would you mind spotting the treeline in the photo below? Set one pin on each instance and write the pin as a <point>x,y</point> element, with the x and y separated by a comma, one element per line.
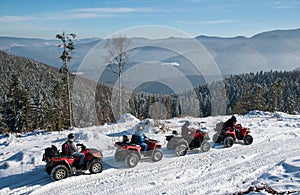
<point>265,91</point>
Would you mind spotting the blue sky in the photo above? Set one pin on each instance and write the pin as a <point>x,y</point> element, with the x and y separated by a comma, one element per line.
<point>101,18</point>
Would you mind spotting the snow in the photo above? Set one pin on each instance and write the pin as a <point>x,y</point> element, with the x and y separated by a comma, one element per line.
<point>273,159</point>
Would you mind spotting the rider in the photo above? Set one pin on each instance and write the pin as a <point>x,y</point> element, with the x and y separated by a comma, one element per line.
<point>186,131</point>
<point>141,139</point>
<point>197,138</point>
<point>74,151</point>
<point>230,125</point>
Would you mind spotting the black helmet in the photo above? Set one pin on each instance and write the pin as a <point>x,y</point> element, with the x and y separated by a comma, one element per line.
<point>174,132</point>
<point>71,136</point>
<point>233,119</point>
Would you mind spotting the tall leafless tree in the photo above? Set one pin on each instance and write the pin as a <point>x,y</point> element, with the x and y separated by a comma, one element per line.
<point>117,59</point>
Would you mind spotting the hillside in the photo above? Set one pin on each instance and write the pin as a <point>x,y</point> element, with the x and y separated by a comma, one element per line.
<point>33,94</point>
<point>35,77</point>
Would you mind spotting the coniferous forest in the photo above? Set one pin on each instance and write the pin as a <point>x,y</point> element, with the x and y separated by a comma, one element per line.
<point>33,96</point>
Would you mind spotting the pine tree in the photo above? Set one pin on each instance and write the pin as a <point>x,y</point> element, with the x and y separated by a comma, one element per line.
<point>68,48</point>
<point>276,96</point>
<point>14,102</point>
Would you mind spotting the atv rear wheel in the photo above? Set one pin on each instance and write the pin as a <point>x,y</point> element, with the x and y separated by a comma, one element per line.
<point>170,145</point>
<point>181,150</point>
<point>120,155</point>
<point>157,155</point>
<point>228,141</point>
<point>59,172</point>
<point>248,139</point>
<point>96,166</point>
<point>132,160</point>
<point>205,146</point>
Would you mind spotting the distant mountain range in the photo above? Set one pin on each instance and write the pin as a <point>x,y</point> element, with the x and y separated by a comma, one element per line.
<point>274,50</point>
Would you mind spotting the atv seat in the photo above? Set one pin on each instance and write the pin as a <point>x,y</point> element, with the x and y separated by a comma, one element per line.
<point>66,156</point>
<point>169,137</point>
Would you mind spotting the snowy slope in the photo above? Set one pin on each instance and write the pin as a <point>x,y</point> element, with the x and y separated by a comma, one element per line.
<point>273,159</point>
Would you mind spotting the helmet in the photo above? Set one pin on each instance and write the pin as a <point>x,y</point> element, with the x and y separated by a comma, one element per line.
<point>71,136</point>
<point>233,119</point>
<point>139,128</point>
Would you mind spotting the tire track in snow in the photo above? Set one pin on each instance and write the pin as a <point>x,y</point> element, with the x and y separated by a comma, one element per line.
<point>211,173</point>
<point>221,176</point>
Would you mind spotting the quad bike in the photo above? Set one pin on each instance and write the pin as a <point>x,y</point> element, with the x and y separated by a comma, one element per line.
<point>181,145</point>
<point>131,153</point>
<point>229,136</point>
<point>60,166</point>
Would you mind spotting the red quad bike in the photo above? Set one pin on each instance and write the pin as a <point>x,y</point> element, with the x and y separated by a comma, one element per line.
<point>60,167</point>
<point>131,153</point>
<point>182,145</point>
<point>229,136</point>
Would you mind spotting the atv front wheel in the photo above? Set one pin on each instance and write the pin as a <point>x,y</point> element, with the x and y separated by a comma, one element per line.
<point>205,146</point>
<point>59,172</point>
<point>157,155</point>
<point>132,160</point>
<point>96,166</point>
<point>228,141</point>
<point>181,150</point>
<point>248,139</point>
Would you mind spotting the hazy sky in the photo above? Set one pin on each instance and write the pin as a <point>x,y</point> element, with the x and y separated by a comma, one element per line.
<point>100,18</point>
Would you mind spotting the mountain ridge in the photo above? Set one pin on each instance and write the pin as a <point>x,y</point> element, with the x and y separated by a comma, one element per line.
<point>265,51</point>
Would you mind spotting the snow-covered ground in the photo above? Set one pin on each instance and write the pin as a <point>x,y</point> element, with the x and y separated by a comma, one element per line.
<point>273,159</point>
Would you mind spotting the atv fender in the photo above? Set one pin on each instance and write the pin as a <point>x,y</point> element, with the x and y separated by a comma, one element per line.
<point>53,164</point>
<point>183,142</point>
<point>137,152</point>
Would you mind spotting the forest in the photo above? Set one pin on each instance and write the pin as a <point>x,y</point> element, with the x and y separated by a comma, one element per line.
<point>34,97</point>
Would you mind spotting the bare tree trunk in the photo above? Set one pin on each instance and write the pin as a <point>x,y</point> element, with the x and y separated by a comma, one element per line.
<point>120,95</point>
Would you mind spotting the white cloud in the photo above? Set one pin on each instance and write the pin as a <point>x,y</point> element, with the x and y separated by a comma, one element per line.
<point>170,64</point>
<point>16,18</point>
<point>287,4</point>
<point>83,13</point>
<point>104,10</point>
<point>208,22</point>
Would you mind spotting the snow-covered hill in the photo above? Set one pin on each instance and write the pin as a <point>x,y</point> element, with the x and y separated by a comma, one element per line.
<point>273,159</point>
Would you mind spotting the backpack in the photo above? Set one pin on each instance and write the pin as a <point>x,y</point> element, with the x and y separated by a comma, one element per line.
<point>135,139</point>
<point>65,149</point>
<point>219,126</point>
<point>50,152</point>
